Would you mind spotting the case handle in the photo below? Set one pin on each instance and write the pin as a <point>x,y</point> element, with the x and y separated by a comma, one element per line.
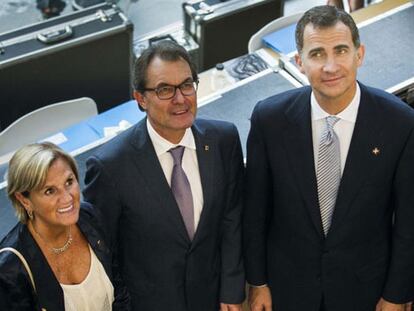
<point>55,35</point>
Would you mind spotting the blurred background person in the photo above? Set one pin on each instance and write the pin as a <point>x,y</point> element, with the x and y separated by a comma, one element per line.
<point>50,8</point>
<point>347,5</point>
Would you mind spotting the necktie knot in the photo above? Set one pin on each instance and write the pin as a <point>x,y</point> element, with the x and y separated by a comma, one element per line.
<point>330,121</point>
<point>177,154</point>
<point>329,132</point>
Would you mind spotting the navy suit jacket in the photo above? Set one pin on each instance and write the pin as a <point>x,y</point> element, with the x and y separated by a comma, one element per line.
<point>364,256</point>
<point>162,268</point>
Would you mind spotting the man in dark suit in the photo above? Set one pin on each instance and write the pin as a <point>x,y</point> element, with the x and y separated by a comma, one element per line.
<point>329,214</point>
<point>174,220</point>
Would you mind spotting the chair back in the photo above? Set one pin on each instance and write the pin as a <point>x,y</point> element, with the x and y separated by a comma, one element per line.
<point>255,41</point>
<point>45,121</point>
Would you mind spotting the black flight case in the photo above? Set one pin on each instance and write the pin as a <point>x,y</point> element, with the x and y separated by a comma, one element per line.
<point>222,28</point>
<point>85,53</point>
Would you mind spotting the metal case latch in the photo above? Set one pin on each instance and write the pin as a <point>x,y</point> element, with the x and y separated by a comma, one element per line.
<point>103,16</point>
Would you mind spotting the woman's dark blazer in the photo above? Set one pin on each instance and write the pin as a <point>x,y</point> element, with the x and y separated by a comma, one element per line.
<point>16,291</point>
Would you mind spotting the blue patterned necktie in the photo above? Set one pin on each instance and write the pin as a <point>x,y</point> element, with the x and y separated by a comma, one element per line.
<point>328,172</point>
<point>182,190</point>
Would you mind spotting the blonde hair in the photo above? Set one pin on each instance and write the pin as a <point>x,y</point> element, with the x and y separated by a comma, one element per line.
<point>28,170</point>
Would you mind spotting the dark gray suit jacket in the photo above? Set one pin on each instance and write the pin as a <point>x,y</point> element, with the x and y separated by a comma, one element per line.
<point>364,255</point>
<point>162,269</point>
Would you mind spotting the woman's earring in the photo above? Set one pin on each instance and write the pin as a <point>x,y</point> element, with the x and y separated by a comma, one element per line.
<point>30,214</point>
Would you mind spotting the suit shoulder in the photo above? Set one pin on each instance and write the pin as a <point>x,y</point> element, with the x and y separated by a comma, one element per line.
<point>117,147</point>
<point>12,239</point>
<point>393,106</point>
<point>216,126</point>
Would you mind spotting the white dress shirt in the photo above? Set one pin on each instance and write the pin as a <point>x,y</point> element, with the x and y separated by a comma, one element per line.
<point>189,164</point>
<point>343,128</point>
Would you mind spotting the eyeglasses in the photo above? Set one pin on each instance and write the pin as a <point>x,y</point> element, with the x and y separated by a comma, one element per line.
<point>187,88</point>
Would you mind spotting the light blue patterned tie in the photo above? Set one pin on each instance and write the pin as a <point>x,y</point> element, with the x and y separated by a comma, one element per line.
<point>328,172</point>
<point>182,190</point>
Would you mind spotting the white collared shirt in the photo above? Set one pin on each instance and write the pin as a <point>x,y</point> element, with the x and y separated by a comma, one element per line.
<point>189,164</point>
<point>343,128</point>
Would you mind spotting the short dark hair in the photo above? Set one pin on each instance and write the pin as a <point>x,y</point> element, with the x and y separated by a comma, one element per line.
<point>166,50</point>
<point>325,16</point>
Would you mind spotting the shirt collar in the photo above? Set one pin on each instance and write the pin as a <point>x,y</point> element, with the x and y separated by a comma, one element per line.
<point>161,145</point>
<point>348,114</point>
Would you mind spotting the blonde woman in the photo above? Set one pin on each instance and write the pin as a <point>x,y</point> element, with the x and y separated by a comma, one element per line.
<point>58,237</point>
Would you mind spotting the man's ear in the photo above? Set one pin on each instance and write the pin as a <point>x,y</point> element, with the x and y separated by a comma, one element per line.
<point>360,54</point>
<point>140,98</point>
<point>299,63</point>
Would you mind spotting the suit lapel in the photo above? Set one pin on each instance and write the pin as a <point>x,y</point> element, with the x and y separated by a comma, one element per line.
<point>359,161</point>
<point>207,152</point>
<point>298,143</point>
<point>150,169</point>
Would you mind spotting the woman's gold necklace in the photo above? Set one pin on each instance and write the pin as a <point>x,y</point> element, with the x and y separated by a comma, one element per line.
<point>57,250</point>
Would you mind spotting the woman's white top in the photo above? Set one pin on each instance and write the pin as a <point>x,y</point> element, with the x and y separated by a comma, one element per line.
<point>94,293</point>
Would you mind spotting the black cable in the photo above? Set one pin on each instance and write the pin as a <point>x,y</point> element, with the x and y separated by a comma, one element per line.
<point>247,66</point>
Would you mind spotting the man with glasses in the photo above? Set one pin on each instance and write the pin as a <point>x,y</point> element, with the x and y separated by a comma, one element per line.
<point>169,192</point>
